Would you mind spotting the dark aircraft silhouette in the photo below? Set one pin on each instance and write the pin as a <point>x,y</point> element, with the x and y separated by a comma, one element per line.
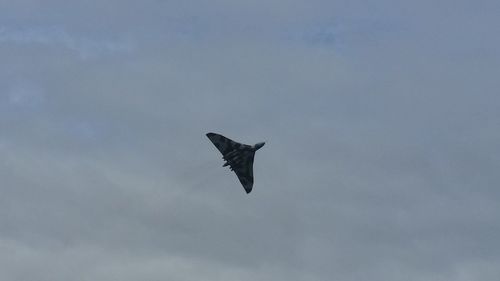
<point>238,156</point>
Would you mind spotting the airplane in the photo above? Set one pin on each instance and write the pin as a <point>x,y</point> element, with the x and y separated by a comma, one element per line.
<point>238,156</point>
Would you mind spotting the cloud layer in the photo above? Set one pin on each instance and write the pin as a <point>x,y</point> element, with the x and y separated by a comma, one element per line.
<point>380,120</point>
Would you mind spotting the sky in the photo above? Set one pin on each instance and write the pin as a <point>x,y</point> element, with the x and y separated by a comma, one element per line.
<point>380,120</point>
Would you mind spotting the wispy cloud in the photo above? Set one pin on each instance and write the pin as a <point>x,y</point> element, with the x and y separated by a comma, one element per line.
<point>84,47</point>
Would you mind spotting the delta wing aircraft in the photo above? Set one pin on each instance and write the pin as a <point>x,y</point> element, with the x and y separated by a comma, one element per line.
<point>238,156</point>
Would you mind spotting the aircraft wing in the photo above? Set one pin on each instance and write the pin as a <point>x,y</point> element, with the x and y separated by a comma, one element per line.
<point>223,144</point>
<point>244,171</point>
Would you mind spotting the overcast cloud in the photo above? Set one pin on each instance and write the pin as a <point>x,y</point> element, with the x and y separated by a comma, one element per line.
<point>381,120</point>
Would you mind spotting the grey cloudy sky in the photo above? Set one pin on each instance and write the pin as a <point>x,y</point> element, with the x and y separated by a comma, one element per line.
<point>381,120</point>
